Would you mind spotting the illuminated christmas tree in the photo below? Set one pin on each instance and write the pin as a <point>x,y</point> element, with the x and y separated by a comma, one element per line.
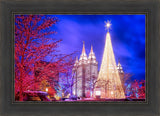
<point>108,83</point>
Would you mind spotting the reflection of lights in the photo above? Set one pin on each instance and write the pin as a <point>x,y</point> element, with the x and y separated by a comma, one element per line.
<point>111,92</point>
<point>98,93</point>
<point>46,89</point>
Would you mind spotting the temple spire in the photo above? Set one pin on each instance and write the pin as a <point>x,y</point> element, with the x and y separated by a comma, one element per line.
<point>91,54</point>
<point>91,49</point>
<point>83,50</point>
<point>83,55</point>
<point>76,58</point>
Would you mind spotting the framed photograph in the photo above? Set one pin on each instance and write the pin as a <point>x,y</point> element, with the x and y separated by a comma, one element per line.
<point>67,70</point>
<point>81,58</point>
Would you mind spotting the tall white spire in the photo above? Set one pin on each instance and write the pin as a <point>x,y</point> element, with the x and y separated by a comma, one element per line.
<point>91,49</point>
<point>91,54</point>
<point>83,56</point>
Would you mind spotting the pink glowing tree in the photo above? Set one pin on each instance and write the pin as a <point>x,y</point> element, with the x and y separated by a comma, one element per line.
<point>137,89</point>
<point>34,43</point>
<point>141,91</point>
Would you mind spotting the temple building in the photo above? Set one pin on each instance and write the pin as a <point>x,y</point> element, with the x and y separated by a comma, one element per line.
<point>121,73</point>
<point>120,70</point>
<point>85,73</point>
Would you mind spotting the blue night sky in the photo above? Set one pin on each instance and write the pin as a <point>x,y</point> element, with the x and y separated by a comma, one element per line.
<point>127,36</point>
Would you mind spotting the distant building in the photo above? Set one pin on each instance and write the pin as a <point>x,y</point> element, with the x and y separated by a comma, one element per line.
<point>121,73</point>
<point>120,70</point>
<point>85,73</point>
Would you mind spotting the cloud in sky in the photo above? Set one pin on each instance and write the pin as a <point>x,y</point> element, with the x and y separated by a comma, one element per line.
<point>127,36</point>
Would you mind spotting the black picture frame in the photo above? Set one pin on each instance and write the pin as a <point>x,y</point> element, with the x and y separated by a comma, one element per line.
<point>148,7</point>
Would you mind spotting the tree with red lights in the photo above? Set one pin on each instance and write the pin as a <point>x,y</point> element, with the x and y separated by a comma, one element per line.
<point>141,91</point>
<point>34,43</point>
<point>134,89</point>
<point>137,89</point>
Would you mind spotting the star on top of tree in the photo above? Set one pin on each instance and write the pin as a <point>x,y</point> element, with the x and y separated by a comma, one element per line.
<point>107,25</point>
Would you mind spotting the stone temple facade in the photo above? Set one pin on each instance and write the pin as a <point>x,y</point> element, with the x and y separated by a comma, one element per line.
<point>85,73</point>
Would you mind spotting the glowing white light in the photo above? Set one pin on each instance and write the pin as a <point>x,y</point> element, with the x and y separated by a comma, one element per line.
<point>111,92</point>
<point>98,93</point>
<point>46,89</point>
<point>108,24</point>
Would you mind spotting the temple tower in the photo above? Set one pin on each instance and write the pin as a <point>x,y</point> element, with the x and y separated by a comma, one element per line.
<point>85,73</point>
